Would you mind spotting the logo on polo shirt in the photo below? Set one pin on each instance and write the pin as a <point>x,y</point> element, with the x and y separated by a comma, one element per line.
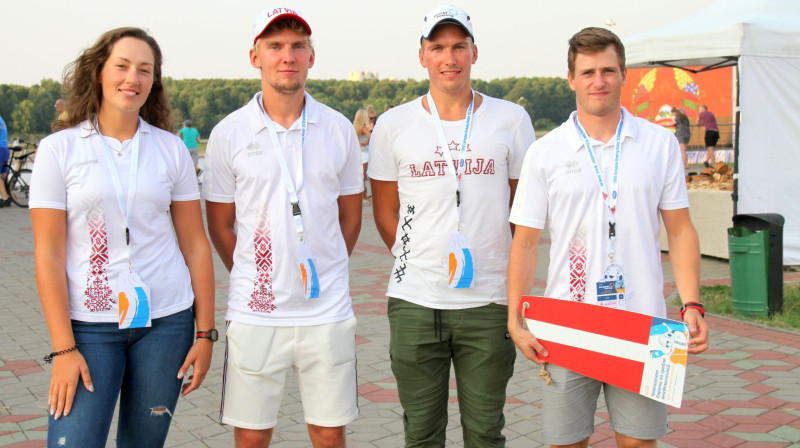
<point>253,149</point>
<point>85,163</point>
<point>572,167</point>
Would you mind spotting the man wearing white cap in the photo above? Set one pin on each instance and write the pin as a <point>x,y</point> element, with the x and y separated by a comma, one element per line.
<point>443,169</point>
<point>283,189</point>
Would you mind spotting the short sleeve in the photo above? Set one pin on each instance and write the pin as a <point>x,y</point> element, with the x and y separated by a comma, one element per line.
<point>48,188</point>
<point>530,202</point>
<point>382,162</point>
<point>351,178</point>
<point>186,181</point>
<point>219,183</point>
<point>674,195</point>
<point>524,136</point>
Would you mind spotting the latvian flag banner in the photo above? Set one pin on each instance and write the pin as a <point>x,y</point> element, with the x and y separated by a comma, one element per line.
<point>636,352</point>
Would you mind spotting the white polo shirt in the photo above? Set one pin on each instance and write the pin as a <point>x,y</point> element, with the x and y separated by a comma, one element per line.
<point>405,148</point>
<point>558,189</point>
<point>71,173</point>
<point>241,167</point>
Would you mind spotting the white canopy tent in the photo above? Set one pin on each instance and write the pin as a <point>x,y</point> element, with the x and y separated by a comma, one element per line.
<point>762,38</point>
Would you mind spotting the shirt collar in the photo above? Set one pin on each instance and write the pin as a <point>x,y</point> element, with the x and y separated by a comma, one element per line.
<point>255,113</point>
<point>88,129</point>
<point>629,129</point>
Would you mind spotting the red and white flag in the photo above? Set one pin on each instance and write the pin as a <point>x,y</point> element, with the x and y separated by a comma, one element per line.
<point>640,353</point>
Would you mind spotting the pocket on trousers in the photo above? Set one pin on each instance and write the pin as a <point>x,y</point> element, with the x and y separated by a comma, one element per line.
<point>249,346</point>
<point>342,342</point>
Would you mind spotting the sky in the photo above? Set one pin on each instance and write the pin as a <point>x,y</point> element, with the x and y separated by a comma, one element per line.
<point>211,39</point>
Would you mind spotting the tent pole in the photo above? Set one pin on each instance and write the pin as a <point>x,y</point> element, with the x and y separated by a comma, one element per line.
<point>736,122</point>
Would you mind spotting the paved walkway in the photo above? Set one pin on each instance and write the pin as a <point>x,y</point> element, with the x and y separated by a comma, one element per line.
<point>743,392</point>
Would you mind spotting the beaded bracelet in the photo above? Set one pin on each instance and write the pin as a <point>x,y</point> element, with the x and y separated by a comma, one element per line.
<point>49,358</point>
<point>696,305</point>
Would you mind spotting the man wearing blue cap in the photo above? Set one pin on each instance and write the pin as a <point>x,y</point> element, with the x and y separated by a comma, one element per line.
<point>443,170</point>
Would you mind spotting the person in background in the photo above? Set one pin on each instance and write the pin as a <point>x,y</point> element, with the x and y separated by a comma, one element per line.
<point>61,110</point>
<point>5,199</point>
<point>444,170</point>
<point>363,127</point>
<point>283,200</point>
<point>709,122</point>
<point>120,292</point>
<point>373,116</point>
<point>599,229</point>
<point>683,132</point>
<point>191,138</point>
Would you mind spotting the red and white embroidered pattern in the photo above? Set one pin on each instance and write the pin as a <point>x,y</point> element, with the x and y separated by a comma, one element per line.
<point>98,293</point>
<point>262,300</point>
<point>577,267</point>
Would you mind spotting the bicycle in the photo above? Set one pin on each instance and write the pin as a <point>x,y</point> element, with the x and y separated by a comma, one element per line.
<point>18,177</point>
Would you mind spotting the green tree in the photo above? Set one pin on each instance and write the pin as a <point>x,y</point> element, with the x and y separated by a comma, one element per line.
<point>23,118</point>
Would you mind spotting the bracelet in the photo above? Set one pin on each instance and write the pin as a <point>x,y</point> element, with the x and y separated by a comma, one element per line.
<point>696,305</point>
<point>49,358</point>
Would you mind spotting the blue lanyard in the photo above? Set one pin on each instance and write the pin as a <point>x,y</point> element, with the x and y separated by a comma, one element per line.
<point>446,149</point>
<point>287,178</point>
<point>610,199</point>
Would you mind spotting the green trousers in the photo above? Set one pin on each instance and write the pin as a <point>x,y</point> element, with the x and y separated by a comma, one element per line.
<point>423,344</point>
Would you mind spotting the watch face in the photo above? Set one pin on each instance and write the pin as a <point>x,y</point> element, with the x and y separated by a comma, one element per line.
<point>211,334</point>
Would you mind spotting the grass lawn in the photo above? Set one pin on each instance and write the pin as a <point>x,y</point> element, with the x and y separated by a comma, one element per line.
<point>717,300</point>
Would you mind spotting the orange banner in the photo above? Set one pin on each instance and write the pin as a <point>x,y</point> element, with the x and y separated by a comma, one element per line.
<point>651,93</point>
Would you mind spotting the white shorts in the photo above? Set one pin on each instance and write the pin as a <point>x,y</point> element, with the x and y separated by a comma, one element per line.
<point>256,360</point>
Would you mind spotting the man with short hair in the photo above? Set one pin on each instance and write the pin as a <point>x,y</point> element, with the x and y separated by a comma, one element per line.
<point>600,226</point>
<point>443,170</point>
<point>709,122</point>
<point>282,185</point>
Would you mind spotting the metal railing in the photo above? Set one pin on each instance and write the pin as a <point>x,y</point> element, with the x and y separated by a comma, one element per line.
<point>697,141</point>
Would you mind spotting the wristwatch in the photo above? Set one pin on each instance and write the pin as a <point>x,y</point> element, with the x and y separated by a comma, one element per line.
<point>212,334</point>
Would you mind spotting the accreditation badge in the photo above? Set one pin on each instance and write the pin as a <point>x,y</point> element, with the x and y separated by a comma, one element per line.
<point>460,264</point>
<point>611,288</point>
<point>308,272</point>
<point>133,300</point>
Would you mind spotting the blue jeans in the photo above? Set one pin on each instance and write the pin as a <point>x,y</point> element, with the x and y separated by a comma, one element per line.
<point>138,365</point>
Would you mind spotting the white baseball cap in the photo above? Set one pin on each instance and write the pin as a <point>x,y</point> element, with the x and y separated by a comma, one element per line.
<point>266,17</point>
<point>446,14</point>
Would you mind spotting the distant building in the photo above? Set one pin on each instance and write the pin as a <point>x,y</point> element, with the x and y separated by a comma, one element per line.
<point>362,75</point>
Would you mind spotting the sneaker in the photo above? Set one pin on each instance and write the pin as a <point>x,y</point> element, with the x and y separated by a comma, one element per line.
<point>199,171</point>
<point>707,165</point>
<point>5,202</point>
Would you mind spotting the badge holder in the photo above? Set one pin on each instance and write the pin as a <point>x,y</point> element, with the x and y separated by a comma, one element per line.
<point>308,272</point>
<point>460,266</point>
<point>611,288</point>
<point>133,301</point>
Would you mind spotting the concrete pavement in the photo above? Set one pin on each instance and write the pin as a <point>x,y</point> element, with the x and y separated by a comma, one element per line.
<point>743,392</point>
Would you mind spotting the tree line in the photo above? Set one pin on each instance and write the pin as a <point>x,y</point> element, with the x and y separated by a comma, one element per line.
<point>28,111</point>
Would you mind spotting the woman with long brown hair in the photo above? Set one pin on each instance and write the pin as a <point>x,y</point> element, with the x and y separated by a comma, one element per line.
<point>119,293</point>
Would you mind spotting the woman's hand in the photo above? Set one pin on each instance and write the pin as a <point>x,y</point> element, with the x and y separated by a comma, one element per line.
<point>199,357</point>
<point>67,368</point>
